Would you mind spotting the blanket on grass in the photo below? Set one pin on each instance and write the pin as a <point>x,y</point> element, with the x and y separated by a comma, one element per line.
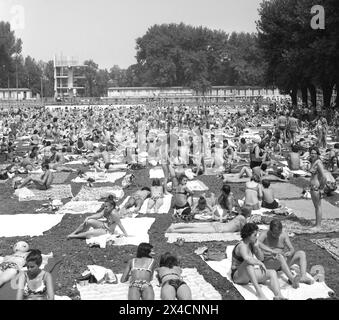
<point>101,177</point>
<point>18,225</point>
<point>304,292</point>
<point>201,290</point>
<point>91,194</point>
<point>58,191</point>
<point>136,228</point>
<point>330,245</point>
<point>80,207</point>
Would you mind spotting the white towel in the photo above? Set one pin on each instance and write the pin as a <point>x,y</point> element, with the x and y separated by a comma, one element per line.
<point>80,207</point>
<point>156,173</point>
<point>136,228</point>
<point>166,206</point>
<point>200,288</point>
<point>27,224</point>
<point>196,185</point>
<point>304,292</point>
<point>101,177</point>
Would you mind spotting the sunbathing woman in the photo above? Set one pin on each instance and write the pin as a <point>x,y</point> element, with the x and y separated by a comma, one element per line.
<point>247,265</point>
<point>140,271</point>
<point>169,276</point>
<point>41,183</point>
<point>35,284</point>
<point>317,172</point>
<point>158,190</point>
<point>234,225</point>
<point>100,227</point>
<point>224,204</point>
<point>253,193</point>
<point>183,197</point>
<point>12,264</point>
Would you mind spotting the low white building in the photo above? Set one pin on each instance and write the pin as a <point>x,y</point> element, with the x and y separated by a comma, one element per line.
<point>15,94</point>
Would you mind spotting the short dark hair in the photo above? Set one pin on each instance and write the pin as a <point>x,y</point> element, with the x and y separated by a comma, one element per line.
<point>181,177</point>
<point>145,189</point>
<point>315,149</point>
<point>266,184</point>
<point>276,224</point>
<point>263,166</point>
<point>168,260</point>
<point>248,229</point>
<point>34,256</point>
<point>144,249</point>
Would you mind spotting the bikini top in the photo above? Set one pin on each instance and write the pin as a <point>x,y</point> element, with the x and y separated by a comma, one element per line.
<point>238,260</point>
<point>41,290</point>
<point>253,188</point>
<point>142,268</point>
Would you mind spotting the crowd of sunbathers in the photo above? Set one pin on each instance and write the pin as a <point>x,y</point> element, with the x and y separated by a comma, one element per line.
<point>186,142</point>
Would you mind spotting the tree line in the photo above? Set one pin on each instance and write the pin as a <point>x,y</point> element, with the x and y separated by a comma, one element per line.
<point>284,53</point>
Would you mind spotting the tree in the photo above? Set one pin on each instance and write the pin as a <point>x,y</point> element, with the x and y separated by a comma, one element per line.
<point>90,75</point>
<point>10,47</point>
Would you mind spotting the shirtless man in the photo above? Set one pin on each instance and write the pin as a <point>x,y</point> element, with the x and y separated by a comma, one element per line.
<point>43,182</point>
<point>136,200</point>
<point>274,243</point>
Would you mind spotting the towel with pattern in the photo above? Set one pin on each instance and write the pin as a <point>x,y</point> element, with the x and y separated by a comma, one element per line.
<point>101,177</point>
<point>90,194</point>
<point>58,191</point>
<point>330,245</point>
<point>80,207</point>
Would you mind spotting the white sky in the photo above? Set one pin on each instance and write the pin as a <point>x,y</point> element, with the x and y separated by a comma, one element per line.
<point>106,30</point>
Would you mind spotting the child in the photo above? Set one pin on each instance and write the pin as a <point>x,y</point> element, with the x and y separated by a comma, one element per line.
<point>268,200</point>
<point>140,271</point>
<point>35,284</point>
<point>202,207</point>
<point>169,276</point>
<point>243,147</point>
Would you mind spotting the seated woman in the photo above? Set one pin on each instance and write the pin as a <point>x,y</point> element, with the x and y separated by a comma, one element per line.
<point>112,220</point>
<point>12,264</point>
<point>253,193</point>
<point>169,276</point>
<point>158,190</point>
<point>35,284</point>
<point>41,183</point>
<point>224,204</point>
<point>140,271</point>
<point>79,146</point>
<point>234,225</point>
<point>246,256</point>
<point>136,200</point>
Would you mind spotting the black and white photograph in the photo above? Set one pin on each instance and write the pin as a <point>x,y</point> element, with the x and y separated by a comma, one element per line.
<point>169,150</point>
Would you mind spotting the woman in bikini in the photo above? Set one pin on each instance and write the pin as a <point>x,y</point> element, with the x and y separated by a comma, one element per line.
<point>112,220</point>
<point>182,195</point>
<point>169,276</point>
<point>247,265</point>
<point>253,193</point>
<point>140,272</point>
<point>317,176</point>
<point>35,284</point>
<point>158,190</point>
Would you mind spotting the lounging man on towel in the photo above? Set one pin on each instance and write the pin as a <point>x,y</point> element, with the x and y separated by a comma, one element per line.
<point>35,284</point>
<point>140,271</point>
<point>274,243</point>
<point>41,183</point>
<point>12,264</point>
<point>136,200</point>
<point>112,220</point>
<point>169,276</point>
<point>234,225</point>
<point>247,264</point>
<point>268,200</point>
